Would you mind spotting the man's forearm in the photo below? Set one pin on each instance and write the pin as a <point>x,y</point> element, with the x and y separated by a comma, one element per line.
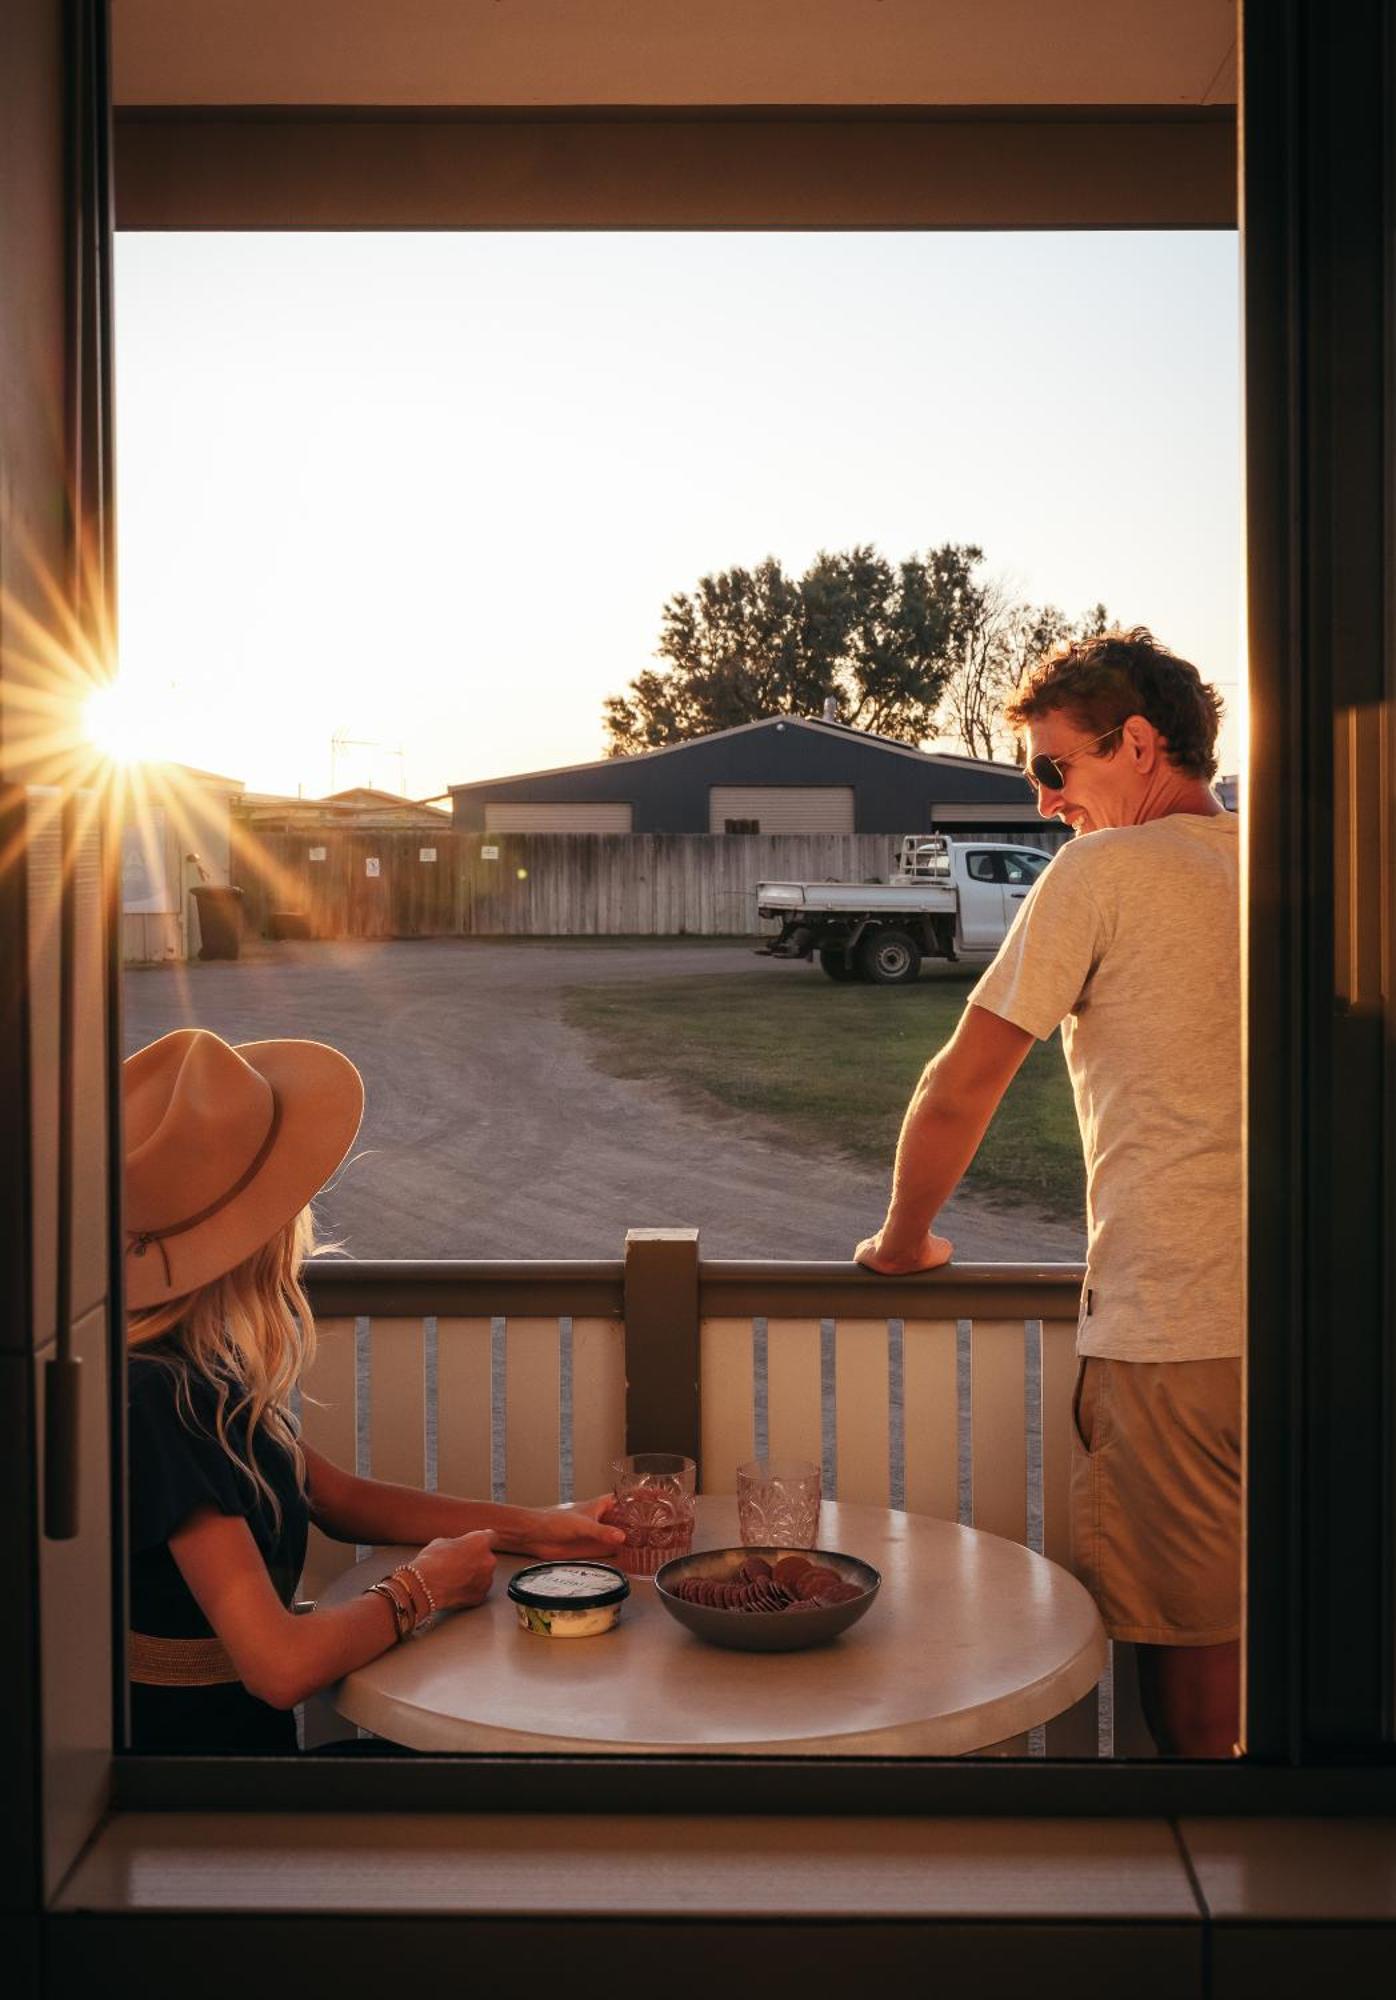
<point>940,1136</point>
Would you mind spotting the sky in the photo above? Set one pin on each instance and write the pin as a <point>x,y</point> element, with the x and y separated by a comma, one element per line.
<point>429,493</point>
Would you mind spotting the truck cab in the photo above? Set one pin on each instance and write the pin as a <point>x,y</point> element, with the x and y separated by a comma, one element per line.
<point>948,899</point>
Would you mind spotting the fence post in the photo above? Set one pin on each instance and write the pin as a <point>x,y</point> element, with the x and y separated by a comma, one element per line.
<point>662,1407</point>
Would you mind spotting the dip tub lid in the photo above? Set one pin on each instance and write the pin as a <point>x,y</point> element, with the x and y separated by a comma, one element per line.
<point>569,1586</point>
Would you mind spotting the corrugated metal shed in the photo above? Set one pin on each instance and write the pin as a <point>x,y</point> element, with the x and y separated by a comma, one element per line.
<point>818,767</point>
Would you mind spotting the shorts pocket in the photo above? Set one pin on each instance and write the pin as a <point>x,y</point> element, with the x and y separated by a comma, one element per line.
<point>1088,1405</point>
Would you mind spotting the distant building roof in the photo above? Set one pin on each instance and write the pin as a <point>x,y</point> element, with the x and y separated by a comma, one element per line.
<point>882,786</point>
<point>152,764</point>
<point>367,797</point>
<point>361,807</point>
<point>865,737</point>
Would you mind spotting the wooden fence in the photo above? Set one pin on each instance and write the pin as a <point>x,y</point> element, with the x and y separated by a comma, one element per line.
<point>395,885</point>
<point>389,885</point>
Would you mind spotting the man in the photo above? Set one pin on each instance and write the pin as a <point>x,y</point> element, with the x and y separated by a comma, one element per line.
<point>1131,942</point>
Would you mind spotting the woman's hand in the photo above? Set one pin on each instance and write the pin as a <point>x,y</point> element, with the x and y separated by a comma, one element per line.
<point>459,1569</point>
<point>560,1534</point>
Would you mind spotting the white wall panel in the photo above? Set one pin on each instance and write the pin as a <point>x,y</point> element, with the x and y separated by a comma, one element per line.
<point>783,808</point>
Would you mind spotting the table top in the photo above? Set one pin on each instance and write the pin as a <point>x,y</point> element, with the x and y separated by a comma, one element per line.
<point>972,1640</point>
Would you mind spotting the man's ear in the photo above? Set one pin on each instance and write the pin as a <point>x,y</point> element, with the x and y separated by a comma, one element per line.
<point>1143,742</point>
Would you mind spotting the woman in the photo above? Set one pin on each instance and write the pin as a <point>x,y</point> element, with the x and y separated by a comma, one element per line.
<point>224,1149</point>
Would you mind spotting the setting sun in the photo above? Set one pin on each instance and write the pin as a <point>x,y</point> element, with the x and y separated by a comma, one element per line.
<point>121,723</point>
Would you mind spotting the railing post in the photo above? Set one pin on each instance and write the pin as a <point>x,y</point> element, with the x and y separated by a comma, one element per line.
<point>663,1411</point>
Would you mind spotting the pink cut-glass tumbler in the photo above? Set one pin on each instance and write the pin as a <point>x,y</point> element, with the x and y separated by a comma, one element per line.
<point>654,1504</point>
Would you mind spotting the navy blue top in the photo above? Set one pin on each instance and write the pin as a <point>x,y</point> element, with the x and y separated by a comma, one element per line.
<point>176,1466</point>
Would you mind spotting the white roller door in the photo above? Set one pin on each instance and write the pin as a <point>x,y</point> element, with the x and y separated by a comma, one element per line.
<point>781,808</point>
<point>558,818</point>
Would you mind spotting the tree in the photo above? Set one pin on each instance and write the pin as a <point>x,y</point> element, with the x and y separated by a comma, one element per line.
<point>999,639</point>
<point>881,640</point>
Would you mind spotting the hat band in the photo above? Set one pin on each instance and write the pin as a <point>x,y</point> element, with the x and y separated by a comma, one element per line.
<point>140,1240</point>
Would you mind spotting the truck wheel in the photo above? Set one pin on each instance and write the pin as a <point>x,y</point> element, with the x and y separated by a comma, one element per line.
<point>833,959</point>
<point>889,958</point>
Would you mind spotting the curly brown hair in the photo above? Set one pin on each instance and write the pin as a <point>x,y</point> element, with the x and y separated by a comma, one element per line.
<point>1102,681</point>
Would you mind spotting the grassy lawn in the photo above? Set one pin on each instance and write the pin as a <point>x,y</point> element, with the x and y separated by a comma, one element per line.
<point>834,1066</point>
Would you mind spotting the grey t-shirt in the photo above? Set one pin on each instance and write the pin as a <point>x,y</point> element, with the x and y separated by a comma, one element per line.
<point>1131,942</point>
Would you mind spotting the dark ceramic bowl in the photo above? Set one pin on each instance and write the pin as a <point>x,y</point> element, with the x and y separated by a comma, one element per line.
<point>765,1631</point>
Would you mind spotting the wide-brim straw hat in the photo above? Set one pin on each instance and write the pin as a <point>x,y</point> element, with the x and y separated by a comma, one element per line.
<point>224,1147</point>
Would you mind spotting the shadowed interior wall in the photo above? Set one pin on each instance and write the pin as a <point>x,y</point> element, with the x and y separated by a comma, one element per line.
<point>55,1739</point>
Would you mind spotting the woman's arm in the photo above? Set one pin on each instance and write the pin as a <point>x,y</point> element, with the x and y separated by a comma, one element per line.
<point>371,1510</point>
<point>279,1657</point>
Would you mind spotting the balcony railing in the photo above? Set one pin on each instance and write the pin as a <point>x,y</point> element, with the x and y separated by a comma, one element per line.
<point>948,1394</point>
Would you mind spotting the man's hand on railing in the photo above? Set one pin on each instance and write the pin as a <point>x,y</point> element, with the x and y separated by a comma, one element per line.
<point>895,1257</point>
<point>558,1534</point>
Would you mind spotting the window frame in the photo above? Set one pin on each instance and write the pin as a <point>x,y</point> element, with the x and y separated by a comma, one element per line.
<point>1320,1729</point>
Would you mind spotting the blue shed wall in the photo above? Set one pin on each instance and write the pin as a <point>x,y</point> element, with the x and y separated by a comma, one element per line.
<point>668,793</point>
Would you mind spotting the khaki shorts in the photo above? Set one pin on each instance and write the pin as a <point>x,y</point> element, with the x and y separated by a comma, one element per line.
<point>1156,1498</point>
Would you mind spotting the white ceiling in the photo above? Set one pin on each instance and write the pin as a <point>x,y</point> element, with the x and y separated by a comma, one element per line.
<point>675,52</point>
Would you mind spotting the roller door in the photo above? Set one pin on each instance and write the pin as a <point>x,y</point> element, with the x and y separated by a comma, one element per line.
<point>780,809</point>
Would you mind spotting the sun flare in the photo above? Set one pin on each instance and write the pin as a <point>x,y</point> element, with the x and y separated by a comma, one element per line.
<point>119,724</point>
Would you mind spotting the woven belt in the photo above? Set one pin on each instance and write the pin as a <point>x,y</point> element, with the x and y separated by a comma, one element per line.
<point>179,1663</point>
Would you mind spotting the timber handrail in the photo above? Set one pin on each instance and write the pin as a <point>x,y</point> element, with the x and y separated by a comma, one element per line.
<point>844,1291</point>
<point>726,1286</point>
<point>584,1287</point>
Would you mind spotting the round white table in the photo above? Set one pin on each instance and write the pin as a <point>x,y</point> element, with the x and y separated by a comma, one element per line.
<point>972,1640</point>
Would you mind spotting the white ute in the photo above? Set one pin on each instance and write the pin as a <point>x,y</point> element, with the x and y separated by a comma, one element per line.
<point>948,899</point>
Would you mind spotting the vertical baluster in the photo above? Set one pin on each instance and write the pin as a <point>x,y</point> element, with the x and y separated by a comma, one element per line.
<point>929,1373</point>
<point>399,1401</point>
<point>864,1411</point>
<point>998,1430</point>
<point>532,1412</point>
<point>1129,1732</point>
<point>828,1459</point>
<point>964,1428</point>
<point>499,1408</point>
<point>896,1413</point>
<point>431,1398</point>
<point>363,1379</point>
<point>598,1403</point>
<point>727,1379</point>
<point>463,1407</point>
<point>1077,1732</point>
<point>1032,1417</point>
<point>566,1486</point>
<point>793,1347</point>
<point>998,1443</point>
<point>329,1421</point>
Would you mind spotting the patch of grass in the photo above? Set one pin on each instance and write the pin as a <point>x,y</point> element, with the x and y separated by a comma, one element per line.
<point>834,1066</point>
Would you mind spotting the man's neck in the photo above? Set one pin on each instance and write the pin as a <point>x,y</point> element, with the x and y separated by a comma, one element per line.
<point>1171,791</point>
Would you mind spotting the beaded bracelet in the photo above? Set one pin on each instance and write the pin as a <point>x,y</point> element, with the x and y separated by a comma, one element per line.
<point>411,1569</point>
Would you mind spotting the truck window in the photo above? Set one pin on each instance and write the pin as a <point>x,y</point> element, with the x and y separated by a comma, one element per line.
<point>1024,867</point>
<point>980,867</point>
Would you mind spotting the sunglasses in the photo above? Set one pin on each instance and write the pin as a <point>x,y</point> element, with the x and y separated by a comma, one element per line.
<point>1048,773</point>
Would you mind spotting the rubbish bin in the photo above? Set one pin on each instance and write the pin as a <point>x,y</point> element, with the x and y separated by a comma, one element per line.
<point>220,920</point>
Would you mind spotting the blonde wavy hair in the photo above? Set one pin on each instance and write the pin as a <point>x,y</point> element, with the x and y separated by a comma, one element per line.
<point>251,1335</point>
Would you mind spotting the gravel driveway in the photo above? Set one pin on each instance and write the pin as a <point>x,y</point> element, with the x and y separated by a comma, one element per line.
<point>489,1132</point>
